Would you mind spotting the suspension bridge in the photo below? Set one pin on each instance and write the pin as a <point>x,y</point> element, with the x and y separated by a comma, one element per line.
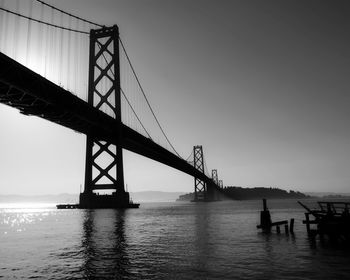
<point>78,74</point>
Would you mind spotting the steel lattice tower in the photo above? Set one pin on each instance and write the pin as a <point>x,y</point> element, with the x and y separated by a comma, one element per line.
<point>200,188</point>
<point>214,176</point>
<point>104,161</point>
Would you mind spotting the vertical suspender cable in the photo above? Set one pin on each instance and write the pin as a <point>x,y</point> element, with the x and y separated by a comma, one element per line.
<point>60,56</point>
<point>47,56</point>
<point>75,56</point>
<point>143,92</point>
<point>69,55</point>
<point>41,40</point>
<point>2,26</point>
<point>16,32</point>
<point>53,47</point>
<point>84,60</point>
<point>29,32</point>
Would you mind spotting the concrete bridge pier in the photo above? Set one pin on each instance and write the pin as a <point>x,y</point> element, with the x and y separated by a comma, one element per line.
<point>115,200</point>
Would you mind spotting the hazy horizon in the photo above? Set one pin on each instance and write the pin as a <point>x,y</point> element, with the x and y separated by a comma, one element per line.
<point>161,192</point>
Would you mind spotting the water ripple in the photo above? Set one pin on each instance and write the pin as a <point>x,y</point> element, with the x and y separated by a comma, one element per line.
<point>162,241</point>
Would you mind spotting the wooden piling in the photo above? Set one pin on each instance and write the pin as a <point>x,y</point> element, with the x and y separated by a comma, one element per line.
<point>307,218</point>
<point>291,227</point>
<point>286,228</point>
<point>265,218</point>
<point>265,221</point>
<point>264,204</point>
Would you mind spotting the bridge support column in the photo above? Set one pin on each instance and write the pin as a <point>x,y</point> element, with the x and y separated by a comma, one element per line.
<point>204,190</point>
<point>214,176</point>
<point>104,161</point>
<point>212,193</point>
<point>200,186</point>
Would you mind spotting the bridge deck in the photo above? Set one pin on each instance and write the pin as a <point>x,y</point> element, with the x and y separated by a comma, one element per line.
<point>34,95</point>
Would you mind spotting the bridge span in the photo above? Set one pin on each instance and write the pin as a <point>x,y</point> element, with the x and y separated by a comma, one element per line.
<point>33,95</point>
<point>106,133</point>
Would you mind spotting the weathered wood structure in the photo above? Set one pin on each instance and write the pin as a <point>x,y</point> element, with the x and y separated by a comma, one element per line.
<point>266,223</point>
<point>332,219</point>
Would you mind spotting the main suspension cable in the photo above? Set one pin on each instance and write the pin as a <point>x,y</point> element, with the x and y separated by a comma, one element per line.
<point>44,22</point>
<point>127,100</point>
<point>189,157</point>
<point>68,14</point>
<point>143,92</point>
<point>84,32</point>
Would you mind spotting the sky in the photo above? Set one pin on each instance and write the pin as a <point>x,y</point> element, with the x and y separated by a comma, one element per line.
<point>262,85</point>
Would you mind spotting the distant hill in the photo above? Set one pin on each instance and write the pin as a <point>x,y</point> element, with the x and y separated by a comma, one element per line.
<point>240,193</point>
<point>328,194</point>
<point>155,196</point>
<point>145,196</point>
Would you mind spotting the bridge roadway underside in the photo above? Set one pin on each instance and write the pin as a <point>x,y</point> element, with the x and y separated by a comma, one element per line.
<point>34,95</point>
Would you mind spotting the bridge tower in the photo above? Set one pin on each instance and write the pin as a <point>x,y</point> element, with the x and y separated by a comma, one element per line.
<point>104,161</point>
<point>214,176</point>
<point>200,187</point>
<point>221,184</point>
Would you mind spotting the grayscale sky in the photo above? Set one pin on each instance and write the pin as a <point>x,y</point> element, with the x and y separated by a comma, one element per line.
<point>262,85</point>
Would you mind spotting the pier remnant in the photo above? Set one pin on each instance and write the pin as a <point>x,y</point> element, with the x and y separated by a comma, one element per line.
<point>265,221</point>
<point>291,226</point>
<point>332,219</point>
<point>265,217</point>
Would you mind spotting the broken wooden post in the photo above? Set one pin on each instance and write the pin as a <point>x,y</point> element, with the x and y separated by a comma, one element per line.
<point>286,228</point>
<point>265,217</point>
<point>307,218</point>
<point>278,229</point>
<point>291,227</point>
<point>265,220</point>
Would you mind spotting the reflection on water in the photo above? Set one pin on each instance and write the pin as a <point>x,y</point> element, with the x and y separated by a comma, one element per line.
<point>104,245</point>
<point>201,240</point>
<point>164,241</point>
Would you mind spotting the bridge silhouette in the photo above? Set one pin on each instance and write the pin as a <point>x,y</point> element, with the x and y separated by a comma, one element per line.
<point>99,117</point>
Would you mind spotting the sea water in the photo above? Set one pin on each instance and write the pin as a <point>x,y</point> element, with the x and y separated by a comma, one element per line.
<point>217,240</point>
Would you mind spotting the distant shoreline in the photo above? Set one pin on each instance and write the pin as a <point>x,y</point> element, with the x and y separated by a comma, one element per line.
<point>143,196</point>
<point>241,193</point>
<point>159,196</point>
